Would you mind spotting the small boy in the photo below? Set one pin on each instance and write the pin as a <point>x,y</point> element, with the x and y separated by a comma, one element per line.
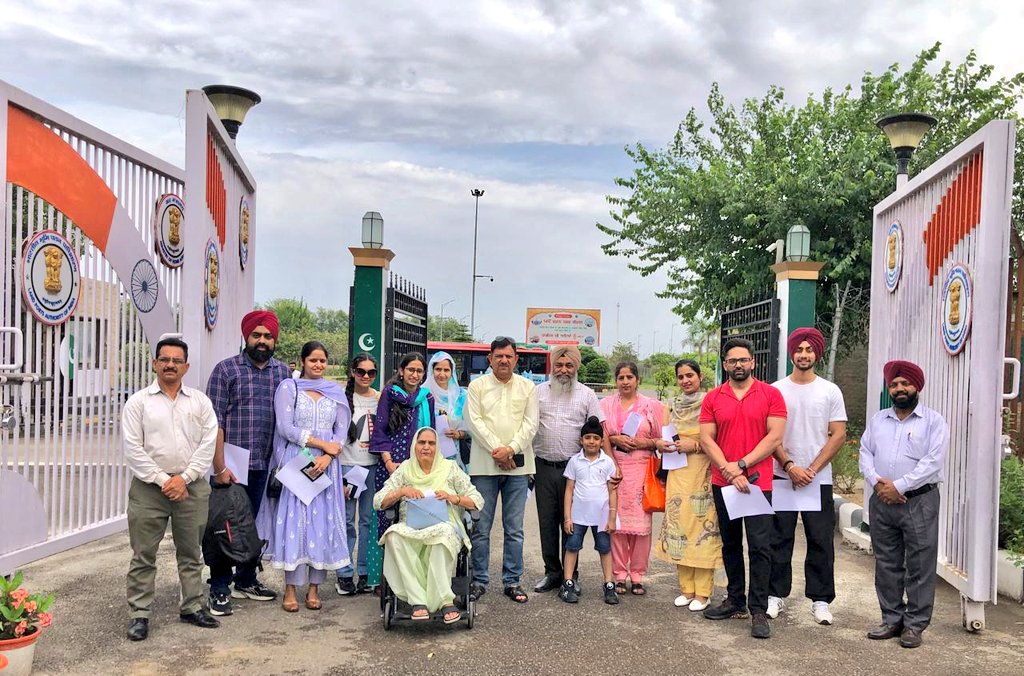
<point>589,502</point>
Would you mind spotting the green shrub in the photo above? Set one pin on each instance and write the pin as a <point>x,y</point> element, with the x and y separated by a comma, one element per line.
<point>1011,509</point>
<point>846,467</point>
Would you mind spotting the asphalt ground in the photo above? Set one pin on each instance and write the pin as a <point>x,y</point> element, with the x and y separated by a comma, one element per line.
<point>544,636</point>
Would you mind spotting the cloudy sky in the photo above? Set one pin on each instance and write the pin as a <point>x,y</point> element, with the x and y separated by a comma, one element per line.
<point>405,107</point>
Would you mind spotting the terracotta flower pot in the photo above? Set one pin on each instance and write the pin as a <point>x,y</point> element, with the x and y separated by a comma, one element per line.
<point>19,653</point>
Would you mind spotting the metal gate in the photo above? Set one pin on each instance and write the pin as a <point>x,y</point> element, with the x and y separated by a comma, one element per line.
<point>758,322</point>
<point>940,254</point>
<point>405,321</point>
<point>62,476</point>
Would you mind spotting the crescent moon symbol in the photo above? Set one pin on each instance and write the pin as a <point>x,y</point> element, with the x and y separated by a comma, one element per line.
<point>366,342</point>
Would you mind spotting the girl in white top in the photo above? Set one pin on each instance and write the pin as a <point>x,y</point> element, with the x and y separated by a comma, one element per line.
<point>362,399</point>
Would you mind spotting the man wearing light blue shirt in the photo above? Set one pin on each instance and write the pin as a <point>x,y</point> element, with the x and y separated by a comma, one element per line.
<point>902,454</point>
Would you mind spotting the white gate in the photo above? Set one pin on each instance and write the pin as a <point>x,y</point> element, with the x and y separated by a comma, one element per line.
<point>940,252</point>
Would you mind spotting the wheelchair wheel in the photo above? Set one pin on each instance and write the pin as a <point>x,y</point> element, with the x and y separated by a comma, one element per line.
<point>389,615</point>
<point>470,613</point>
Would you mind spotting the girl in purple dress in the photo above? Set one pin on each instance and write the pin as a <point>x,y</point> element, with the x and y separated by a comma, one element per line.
<point>404,408</point>
<point>307,541</point>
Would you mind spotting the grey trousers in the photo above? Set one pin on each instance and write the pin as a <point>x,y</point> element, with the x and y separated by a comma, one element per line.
<point>906,543</point>
<point>148,512</point>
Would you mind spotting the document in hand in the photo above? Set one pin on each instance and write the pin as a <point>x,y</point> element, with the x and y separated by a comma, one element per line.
<point>673,461</point>
<point>298,483</point>
<point>739,505</point>
<point>446,445</point>
<point>426,511</point>
<point>787,498</point>
<point>632,424</point>
<point>356,476</point>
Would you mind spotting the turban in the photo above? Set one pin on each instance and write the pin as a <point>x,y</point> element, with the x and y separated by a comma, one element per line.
<point>260,318</point>
<point>592,426</point>
<point>570,351</point>
<point>909,370</point>
<point>811,335</point>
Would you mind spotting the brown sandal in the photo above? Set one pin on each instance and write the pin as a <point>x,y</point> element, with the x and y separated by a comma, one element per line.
<point>313,604</point>
<point>290,606</point>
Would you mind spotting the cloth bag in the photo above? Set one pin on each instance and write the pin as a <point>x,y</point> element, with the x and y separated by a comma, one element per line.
<point>654,489</point>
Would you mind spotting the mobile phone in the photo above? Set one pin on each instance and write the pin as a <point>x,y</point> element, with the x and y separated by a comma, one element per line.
<point>520,459</point>
<point>310,472</point>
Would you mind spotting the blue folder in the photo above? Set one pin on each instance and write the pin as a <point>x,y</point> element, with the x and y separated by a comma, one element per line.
<point>425,512</point>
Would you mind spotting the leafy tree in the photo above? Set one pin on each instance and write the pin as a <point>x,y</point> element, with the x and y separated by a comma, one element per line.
<point>331,321</point>
<point>623,352</point>
<point>453,331</point>
<point>704,208</point>
<point>588,354</point>
<point>596,370</point>
<point>299,325</point>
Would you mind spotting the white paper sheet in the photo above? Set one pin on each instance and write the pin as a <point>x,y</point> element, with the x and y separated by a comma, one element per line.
<point>673,461</point>
<point>738,504</point>
<point>447,446</point>
<point>298,483</point>
<point>668,433</point>
<point>356,476</point>
<point>632,425</point>
<point>787,498</point>
<point>236,459</point>
<point>426,511</point>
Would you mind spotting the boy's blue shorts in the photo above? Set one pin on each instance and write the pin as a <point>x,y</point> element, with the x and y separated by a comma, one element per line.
<point>602,541</point>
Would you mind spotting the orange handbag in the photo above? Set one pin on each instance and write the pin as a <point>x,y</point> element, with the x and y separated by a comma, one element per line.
<point>654,490</point>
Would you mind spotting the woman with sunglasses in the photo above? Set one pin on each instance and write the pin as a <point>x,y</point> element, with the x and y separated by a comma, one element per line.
<point>363,400</point>
<point>404,407</point>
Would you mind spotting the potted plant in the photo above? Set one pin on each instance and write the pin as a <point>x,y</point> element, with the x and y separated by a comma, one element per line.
<point>23,616</point>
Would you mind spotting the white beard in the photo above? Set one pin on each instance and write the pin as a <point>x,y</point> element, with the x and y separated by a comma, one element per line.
<point>563,387</point>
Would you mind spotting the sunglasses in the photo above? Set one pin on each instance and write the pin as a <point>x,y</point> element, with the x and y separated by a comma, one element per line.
<point>364,373</point>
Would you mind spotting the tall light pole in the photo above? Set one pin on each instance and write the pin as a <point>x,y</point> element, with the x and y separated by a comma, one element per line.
<point>654,342</point>
<point>476,193</point>
<point>447,302</point>
<point>671,340</point>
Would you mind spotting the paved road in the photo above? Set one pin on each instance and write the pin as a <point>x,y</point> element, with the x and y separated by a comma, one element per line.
<point>544,636</point>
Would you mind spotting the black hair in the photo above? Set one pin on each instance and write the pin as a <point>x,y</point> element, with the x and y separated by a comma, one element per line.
<point>503,341</point>
<point>688,362</point>
<point>350,388</point>
<point>399,415</point>
<point>737,342</point>
<point>307,349</point>
<point>171,342</point>
<point>628,365</point>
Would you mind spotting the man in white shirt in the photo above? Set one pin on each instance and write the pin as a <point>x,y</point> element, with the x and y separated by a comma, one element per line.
<point>501,412</point>
<point>565,404</point>
<point>902,454</point>
<point>169,433</point>
<point>815,431</point>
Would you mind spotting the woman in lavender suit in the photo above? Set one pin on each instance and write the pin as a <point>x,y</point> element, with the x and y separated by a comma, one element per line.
<point>308,541</point>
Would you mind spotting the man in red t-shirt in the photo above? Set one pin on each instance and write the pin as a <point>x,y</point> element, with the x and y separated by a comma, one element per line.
<point>741,425</point>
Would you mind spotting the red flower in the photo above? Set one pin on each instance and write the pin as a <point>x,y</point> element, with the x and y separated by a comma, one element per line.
<point>19,595</point>
<point>20,629</point>
<point>45,620</point>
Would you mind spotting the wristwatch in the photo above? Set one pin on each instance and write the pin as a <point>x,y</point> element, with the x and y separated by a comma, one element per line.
<point>742,465</point>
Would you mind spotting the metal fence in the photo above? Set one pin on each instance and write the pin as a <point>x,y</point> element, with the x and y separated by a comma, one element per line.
<point>757,322</point>
<point>405,321</point>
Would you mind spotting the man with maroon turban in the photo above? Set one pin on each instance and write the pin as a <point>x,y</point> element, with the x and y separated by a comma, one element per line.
<point>242,391</point>
<point>902,454</point>
<point>815,431</point>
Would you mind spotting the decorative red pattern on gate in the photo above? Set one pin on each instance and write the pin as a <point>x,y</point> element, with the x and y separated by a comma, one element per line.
<point>216,197</point>
<point>958,213</point>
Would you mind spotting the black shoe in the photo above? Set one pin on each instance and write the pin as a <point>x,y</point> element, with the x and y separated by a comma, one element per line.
<point>610,597</point>
<point>476,590</point>
<point>344,586</point>
<point>256,591</point>
<point>728,608</point>
<point>884,632</point>
<point>220,604</point>
<point>548,583</point>
<point>138,629</point>
<point>759,626</point>
<point>910,638</point>
<point>361,585</point>
<point>568,592</point>
<point>201,618</point>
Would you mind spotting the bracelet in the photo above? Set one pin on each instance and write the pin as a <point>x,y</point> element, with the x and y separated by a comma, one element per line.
<point>220,472</point>
<point>785,465</point>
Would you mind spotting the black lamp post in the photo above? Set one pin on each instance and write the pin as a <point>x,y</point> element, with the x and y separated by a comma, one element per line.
<point>905,131</point>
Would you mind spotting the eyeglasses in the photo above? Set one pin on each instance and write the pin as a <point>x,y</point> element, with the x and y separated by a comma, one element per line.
<point>742,361</point>
<point>365,373</point>
<point>170,360</point>
<point>412,369</point>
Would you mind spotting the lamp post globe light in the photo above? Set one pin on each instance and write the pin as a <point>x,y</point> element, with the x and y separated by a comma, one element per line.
<point>231,104</point>
<point>905,131</point>
<point>373,230</point>
<point>798,243</point>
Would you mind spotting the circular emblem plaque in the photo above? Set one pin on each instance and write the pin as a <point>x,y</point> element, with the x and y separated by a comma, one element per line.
<point>957,308</point>
<point>893,256</point>
<point>168,230</point>
<point>244,216</point>
<point>144,285</point>
<point>212,286</point>
<point>51,277</point>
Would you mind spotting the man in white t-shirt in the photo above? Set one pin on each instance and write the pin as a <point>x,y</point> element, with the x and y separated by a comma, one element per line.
<point>815,431</point>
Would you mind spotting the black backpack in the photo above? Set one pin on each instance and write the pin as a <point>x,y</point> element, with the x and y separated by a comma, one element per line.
<point>230,529</point>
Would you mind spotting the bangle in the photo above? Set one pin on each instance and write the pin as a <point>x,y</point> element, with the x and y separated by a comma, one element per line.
<point>220,472</point>
<point>785,465</point>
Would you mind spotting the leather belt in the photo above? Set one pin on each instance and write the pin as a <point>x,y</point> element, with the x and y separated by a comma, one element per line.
<point>919,491</point>
<point>560,465</point>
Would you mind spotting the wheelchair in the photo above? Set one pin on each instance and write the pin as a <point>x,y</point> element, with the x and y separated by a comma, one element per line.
<point>394,610</point>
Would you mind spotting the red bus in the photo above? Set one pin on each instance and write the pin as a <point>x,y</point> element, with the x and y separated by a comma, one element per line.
<point>471,360</point>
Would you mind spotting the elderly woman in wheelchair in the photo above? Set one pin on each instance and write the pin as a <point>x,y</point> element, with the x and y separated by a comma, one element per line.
<point>421,547</point>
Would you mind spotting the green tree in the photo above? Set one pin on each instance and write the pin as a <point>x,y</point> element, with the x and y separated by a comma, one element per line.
<point>331,321</point>
<point>453,331</point>
<point>588,354</point>
<point>623,352</point>
<point>596,370</point>
<point>704,208</point>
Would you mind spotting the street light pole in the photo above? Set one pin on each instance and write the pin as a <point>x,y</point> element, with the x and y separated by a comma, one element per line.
<point>447,302</point>
<point>476,193</point>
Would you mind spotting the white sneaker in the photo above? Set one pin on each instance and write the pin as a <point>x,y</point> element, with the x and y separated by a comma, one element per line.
<point>775,606</point>
<point>822,615</point>
<point>697,605</point>
<point>681,601</point>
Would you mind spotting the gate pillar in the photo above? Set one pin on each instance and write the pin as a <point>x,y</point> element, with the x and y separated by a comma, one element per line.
<point>796,286</point>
